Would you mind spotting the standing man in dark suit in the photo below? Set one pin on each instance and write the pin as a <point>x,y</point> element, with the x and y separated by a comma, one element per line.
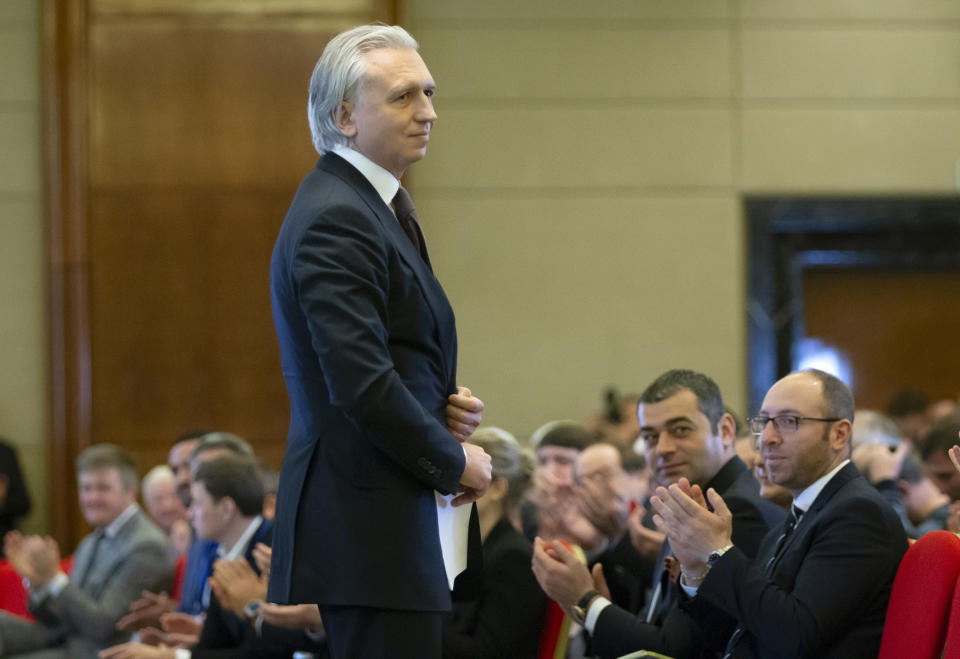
<point>819,586</point>
<point>688,435</point>
<point>369,351</point>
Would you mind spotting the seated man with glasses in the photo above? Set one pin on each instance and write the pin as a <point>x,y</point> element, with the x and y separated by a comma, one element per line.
<point>820,584</point>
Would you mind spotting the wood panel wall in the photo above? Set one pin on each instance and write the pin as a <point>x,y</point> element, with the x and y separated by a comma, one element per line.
<point>176,137</point>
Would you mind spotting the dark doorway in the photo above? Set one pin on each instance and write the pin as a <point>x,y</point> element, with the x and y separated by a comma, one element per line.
<point>873,281</point>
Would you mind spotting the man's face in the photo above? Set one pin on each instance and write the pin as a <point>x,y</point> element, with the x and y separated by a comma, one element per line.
<point>391,118</point>
<point>208,516</point>
<point>944,474</point>
<point>559,462</point>
<point>600,464</point>
<point>163,505</point>
<point>678,440</point>
<point>103,496</point>
<point>795,460</point>
<point>179,462</point>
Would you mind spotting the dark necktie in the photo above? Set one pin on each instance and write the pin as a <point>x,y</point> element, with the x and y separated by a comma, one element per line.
<point>98,537</point>
<point>792,519</point>
<point>407,216</point>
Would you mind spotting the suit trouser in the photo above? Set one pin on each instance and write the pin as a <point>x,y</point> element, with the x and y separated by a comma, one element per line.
<point>358,632</point>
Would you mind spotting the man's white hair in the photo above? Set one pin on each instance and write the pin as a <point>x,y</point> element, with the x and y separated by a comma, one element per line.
<point>337,76</point>
<point>155,475</point>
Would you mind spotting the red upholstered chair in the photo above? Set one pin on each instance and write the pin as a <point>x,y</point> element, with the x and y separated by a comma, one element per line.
<point>952,648</point>
<point>923,590</point>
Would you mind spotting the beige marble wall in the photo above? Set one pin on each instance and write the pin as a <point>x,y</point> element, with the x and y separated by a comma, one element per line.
<point>22,331</point>
<point>582,194</point>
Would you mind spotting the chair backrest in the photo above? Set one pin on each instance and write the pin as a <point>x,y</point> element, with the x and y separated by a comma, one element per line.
<point>952,648</point>
<point>923,590</point>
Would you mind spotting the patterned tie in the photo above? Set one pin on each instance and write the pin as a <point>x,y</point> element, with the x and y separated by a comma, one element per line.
<point>795,515</point>
<point>407,216</point>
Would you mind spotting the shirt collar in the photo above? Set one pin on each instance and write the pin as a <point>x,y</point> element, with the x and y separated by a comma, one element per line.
<point>240,546</point>
<point>114,527</point>
<point>385,183</point>
<point>805,499</point>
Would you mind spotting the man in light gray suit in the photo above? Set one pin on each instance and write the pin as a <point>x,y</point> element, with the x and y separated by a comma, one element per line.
<point>125,555</point>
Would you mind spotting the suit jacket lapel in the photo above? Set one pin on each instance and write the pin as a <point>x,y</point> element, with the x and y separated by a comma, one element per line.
<point>433,293</point>
<point>833,486</point>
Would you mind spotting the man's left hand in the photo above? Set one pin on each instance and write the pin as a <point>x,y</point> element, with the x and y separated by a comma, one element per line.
<point>694,532</point>
<point>464,411</point>
<point>560,573</point>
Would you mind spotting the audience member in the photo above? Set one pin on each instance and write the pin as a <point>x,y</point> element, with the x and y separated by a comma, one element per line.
<point>908,409</point>
<point>553,510</point>
<point>14,499</point>
<point>146,611</point>
<point>933,449</point>
<point>820,585</point>
<point>124,555</point>
<point>506,620</point>
<point>165,508</point>
<point>687,435</point>
<point>271,483</point>
<point>607,493</point>
<point>178,459</point>
<point>747,450</point>
<point>227,502</point>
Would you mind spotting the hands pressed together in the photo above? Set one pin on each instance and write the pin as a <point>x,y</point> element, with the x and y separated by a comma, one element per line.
<point>34,557</point>
<point>693,530</point>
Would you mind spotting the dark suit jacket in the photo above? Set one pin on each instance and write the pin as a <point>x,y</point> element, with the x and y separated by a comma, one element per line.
<point>827,594</point>
<point>224,634</point>
<point>369,351</point>
<point>506,620</point>
<point>672,631</point>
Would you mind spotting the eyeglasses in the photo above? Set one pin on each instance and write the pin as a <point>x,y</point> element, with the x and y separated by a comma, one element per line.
<point>785,424</point>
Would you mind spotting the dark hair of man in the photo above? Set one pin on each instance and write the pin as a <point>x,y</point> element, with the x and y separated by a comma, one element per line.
<point>911,470</point>
<point>190,435</point>
<point>567,435</point>
<point>221,440</point>
<point>234,476</point>
<point>906,402</point>
<point>837,397</point>
<point>709,400</point>
<point>107,456</point>
<point>941,436</point>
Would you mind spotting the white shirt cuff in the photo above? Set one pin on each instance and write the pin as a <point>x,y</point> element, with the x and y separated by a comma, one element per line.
<point>691,591</point>
<point>50,589</point>
<point>183,653</point>
<point>598,605</point>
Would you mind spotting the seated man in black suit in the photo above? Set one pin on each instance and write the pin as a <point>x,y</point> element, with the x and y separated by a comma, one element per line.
<point>686,434</point>
<point>227,501</point>
<point>820,584</point>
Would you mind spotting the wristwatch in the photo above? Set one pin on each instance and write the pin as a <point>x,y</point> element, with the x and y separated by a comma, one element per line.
<point>717,553</point>
<point>579,610</point>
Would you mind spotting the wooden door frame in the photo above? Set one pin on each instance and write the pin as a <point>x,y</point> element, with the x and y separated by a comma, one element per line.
<point>789,235</point>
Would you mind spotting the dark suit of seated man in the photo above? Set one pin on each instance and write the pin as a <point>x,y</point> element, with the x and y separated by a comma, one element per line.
<point>226,502</point>
<point>819,586</point>
<point>686,434</point>
<point>125,555</point>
